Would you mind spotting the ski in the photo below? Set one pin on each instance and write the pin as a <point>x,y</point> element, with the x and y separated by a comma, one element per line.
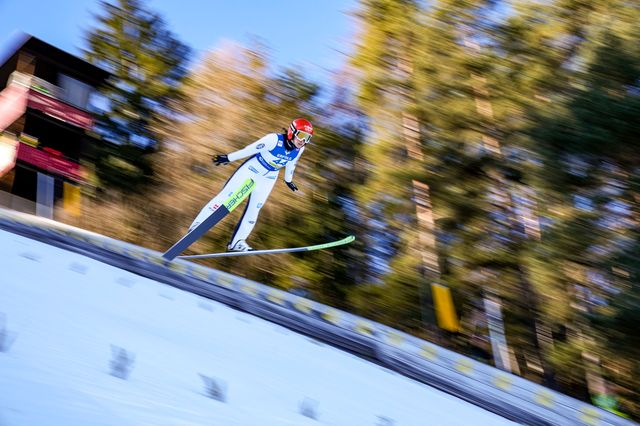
<point>343,241</point>
<point>228,206</point>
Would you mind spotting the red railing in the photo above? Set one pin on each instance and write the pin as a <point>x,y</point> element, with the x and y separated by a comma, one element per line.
<point>51,161</point>
<point>59,109</point>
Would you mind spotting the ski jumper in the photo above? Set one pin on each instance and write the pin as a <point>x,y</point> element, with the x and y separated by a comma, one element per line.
<point>267,156</point>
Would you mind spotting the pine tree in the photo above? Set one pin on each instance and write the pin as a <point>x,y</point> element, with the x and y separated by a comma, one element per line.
<point>147,63</point>
<point>573,71</point>
<point>402,258</point>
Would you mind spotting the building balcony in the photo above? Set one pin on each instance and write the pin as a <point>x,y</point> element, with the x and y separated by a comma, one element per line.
<point>51,161</point>
<point>54,101</point>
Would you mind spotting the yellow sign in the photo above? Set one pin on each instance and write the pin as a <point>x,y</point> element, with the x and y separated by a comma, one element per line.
<point>445,310</point>
<point>71,199</point>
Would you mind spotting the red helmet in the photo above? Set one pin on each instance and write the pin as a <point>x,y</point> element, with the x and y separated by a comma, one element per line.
<point>301,129</point>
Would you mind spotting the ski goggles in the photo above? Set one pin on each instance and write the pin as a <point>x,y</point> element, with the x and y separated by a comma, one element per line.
<point>303,136</point>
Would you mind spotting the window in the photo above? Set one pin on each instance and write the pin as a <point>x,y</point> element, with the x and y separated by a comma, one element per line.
<point>75,92</point>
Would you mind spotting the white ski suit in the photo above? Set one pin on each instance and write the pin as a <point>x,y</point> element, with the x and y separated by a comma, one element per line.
<point>267,156</point>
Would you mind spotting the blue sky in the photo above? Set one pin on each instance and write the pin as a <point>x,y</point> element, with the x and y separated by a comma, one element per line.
<point>312,34</point>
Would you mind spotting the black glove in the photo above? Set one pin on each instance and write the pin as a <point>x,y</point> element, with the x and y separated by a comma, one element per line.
<point>220,159</point>
<point>292,186</point>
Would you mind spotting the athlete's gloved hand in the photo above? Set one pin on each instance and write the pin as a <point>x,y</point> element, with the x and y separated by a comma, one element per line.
<point>220,159</point>
<point>292,186</point>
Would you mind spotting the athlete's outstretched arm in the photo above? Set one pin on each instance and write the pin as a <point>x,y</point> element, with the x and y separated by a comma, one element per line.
<point>265,143</point>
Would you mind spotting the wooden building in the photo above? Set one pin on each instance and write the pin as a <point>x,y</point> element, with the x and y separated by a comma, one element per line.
<point>45,111</point>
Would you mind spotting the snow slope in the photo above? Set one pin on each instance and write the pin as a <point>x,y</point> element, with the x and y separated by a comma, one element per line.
<point>65,311</point>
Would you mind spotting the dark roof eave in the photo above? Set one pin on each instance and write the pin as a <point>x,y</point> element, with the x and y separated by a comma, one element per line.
<point>74,64</point>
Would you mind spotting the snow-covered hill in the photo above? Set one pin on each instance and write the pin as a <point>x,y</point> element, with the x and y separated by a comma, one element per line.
<point>66,320</point>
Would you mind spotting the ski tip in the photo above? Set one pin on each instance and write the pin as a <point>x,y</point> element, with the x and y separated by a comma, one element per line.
<point>346,240</point>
